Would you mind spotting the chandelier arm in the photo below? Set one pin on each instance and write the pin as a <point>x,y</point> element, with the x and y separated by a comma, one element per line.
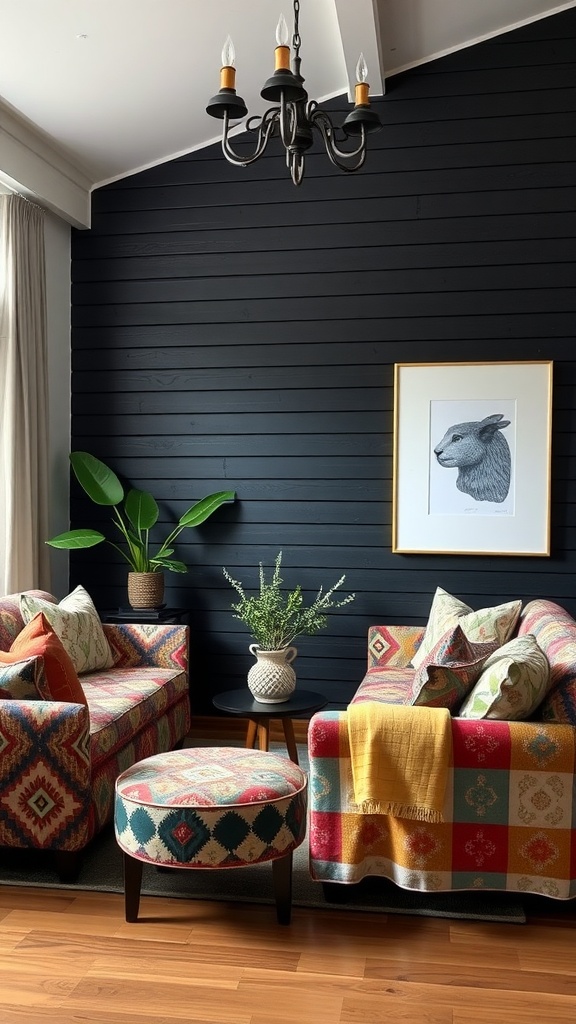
<point>295,163</point>
<point>288,123</point>
<point>320,120</point>
<point>264,130</point>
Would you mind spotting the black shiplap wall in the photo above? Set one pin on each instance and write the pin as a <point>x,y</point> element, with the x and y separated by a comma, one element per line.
<point>230,330</point>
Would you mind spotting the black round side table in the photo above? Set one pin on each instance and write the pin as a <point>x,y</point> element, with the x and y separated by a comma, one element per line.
<point>242,703</point>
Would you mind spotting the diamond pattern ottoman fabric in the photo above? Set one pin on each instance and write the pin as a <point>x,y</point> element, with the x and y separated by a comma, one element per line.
<point>214,807</point>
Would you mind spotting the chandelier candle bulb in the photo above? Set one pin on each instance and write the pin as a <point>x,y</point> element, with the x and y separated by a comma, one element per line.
<point>362,89</point>
<point>282,51</point>
<point>228,71</point>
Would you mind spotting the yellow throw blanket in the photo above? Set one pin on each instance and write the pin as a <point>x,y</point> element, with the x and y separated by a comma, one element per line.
<point>400,759</point>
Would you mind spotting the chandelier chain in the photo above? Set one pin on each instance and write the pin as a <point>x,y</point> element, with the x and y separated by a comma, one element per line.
<point>296,40</point>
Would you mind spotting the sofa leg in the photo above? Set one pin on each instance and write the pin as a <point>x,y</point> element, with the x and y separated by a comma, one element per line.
<point>335,892</point>
<point>68,864</point>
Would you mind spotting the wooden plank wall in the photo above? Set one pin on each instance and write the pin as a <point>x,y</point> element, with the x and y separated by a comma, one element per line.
<point>231,330</point>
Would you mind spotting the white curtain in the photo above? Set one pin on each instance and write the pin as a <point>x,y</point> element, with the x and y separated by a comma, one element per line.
<point>24,561</point>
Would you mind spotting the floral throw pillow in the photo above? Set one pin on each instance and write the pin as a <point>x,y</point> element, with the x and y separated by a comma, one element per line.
<point>77,623</point>
<point>514,681</point>
<point>450,670</point>
<point>481,626</point>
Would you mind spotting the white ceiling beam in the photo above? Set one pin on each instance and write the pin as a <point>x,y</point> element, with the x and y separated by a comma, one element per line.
<point>359,29</point>
<point>30,165</point>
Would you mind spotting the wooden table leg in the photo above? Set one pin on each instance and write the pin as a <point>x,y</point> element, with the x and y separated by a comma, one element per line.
<point>290,739</point>
<point>263,734</point>
<point>251,734</point>
<point>132,886</point>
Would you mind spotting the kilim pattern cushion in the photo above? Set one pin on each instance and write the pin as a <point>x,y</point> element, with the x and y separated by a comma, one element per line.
<point>386,685</point>
<point>77,623</point>
<point>393,646</point>
<point>134,645</point>
<point>482,626</point>
<point>509,814</point>
<point>449,671</point>
<point>124,701</point>
<point>555,632</point>
<point>215,807</point>
<point>513,682</point>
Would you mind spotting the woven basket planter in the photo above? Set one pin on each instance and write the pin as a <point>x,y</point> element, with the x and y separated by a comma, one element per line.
<point>145,589</point>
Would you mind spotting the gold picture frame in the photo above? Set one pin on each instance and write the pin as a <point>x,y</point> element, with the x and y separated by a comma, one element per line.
<point>471,460</point>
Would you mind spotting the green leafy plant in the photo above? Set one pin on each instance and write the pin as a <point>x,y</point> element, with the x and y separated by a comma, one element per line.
<point>276,617</point>
<point>134,515</point>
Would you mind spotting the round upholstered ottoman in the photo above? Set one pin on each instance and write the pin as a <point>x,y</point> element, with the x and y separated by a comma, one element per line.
<point>211,807</point>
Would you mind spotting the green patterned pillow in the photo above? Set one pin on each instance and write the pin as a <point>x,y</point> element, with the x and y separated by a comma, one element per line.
<point>77,623</point>
<point>513,683</point>
<point>482,626</point>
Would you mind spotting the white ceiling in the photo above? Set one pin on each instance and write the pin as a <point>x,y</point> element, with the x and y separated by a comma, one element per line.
<point>102,88</point>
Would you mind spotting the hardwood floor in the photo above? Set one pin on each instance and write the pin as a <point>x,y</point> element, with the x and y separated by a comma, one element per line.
<point>72,959</point>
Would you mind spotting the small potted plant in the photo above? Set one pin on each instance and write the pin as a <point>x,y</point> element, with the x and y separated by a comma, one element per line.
<point>275,618</point>
<point>134,514</point>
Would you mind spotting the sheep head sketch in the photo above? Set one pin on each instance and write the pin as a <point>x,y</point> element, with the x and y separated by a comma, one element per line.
<point>482,455</point>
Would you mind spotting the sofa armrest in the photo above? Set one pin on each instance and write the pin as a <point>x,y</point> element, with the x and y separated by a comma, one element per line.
<point>393,646</point>
<point>45,781</point>
<point>137,645</point>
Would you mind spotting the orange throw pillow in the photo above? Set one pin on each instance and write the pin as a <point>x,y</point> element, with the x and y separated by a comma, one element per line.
<point>38,639</point>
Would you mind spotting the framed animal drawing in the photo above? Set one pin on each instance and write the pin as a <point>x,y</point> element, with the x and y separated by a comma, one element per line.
<point>471,464</point>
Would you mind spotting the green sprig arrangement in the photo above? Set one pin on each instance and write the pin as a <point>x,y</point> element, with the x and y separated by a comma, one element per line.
<point>276,617</point>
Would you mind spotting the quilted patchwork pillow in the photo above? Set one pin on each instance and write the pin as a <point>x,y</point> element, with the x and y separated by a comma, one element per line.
<point>59,680</point>
<point>449,672</point>
<point>78,625</point>
<point>18,680</point>
<point>481,626</point>
<point>514,681</point>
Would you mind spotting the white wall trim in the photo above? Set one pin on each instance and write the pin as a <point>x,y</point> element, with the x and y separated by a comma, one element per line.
<point>35,168</point>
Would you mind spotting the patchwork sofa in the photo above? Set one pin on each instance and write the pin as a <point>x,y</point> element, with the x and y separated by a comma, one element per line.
<point>59,759</point>
<point>509,816</point>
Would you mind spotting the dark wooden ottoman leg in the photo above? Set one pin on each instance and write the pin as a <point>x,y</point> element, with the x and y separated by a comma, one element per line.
<point>282,878</point>
<point>132,885</point>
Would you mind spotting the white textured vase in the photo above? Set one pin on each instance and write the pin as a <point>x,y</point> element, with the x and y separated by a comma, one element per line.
<point>272,679</point>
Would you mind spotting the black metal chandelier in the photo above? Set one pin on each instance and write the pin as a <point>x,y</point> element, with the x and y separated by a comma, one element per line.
<point>295,117</point>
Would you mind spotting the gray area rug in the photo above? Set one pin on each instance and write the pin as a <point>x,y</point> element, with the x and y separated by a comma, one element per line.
<point>102,871</point>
